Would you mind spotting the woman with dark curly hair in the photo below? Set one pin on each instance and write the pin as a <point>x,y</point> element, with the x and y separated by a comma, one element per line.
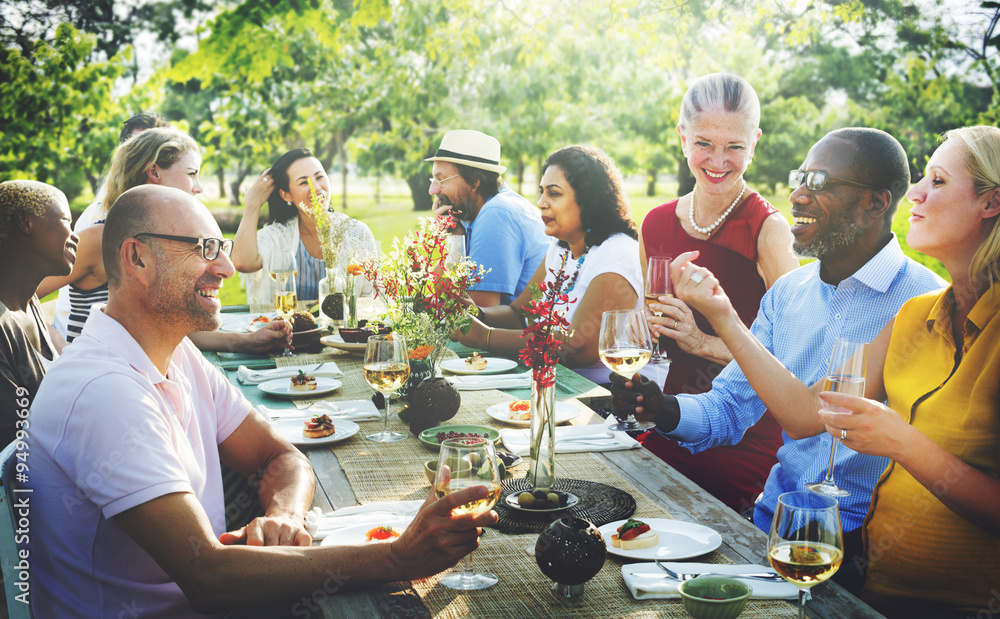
<point>584,208</point>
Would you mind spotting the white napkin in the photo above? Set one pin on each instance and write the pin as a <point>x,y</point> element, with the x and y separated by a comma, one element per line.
<point>328,369</point>
<point>646,588</point>
<point>491,381</point>
<point>570,439</point>
<point>351,410</point>
<point>321,525</point>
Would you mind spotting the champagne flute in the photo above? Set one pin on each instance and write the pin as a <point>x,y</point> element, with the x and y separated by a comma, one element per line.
<point>452,477</point>
<point>848,363</point>
<point>625,347</point>
<point>658,284</point>
<point>806,545</point>
<point>285,298</point>
<point>386,369</point>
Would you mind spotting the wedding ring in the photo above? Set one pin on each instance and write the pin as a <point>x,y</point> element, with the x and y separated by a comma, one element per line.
<point>697,278</point>
<point>843,435</point>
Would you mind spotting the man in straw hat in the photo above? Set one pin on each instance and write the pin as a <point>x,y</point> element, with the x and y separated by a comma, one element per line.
<point>503,231</point>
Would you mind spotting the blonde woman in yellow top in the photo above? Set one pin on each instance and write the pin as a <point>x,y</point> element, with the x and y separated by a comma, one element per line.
<point>932,535</point>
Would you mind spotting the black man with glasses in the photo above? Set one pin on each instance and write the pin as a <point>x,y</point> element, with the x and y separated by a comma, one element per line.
<point>504,232</point>
<point>843,201</point>
<point>128,433</point>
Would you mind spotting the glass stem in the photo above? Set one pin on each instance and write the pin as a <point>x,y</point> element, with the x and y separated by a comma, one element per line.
<point>829,469</point>
<point>802,603</point>
<point>388,400</point>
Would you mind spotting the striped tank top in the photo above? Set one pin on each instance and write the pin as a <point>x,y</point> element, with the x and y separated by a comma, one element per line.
<point>80,302</point>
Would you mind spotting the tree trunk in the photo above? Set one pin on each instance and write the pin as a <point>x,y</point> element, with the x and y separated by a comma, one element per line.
<point>342,152</point>
<point>220,173</point>
<point>651,182</point>
<point>234,187</point>
<point>520,176</point>
<point>685,179</point>
<point>419,187</point>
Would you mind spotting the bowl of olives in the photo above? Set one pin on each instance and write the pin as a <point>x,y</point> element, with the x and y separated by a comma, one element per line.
<point>541,500</point>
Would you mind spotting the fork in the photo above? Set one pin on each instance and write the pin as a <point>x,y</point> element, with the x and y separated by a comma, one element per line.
<point>682,577</point>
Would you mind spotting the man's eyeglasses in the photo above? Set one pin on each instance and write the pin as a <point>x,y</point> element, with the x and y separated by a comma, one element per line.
<point>443,180</point>
<point>210,247</point>
<point>816,180</point>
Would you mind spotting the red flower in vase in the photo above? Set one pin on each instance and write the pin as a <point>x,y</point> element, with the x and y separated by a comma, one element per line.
<point>541,353</point>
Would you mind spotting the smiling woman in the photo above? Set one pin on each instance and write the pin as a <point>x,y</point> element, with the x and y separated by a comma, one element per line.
<point>749,244</point>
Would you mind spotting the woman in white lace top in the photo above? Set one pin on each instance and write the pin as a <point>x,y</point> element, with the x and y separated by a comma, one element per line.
<point>285,189</point>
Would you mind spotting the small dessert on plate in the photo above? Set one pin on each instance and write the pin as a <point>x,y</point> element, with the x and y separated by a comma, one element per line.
<point>318,427</point>
<point>381,533</point>
<point>475,362</point>
<point>259,323</point>
<point>520,410</point>
<point>303,382</point>
<point>633,535</point>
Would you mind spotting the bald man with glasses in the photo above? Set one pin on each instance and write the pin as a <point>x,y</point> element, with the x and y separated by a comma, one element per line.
<point>128,433</point>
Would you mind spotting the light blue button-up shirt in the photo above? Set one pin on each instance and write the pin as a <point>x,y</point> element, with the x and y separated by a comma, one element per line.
<point>799,319</point>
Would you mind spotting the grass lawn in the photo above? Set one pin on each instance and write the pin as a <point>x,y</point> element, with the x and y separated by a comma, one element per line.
<point>392,215</point>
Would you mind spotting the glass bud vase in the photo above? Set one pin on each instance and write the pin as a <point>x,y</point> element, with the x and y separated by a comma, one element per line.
<point>350,312</point>
<point>331,297</point>
<point>542,473</point>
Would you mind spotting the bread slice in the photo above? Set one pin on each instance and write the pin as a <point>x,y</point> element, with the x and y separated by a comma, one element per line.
<point>648,539</point>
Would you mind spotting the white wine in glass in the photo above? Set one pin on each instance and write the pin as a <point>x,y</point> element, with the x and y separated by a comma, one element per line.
<point>848,364</point>
<point>625,348</point>
<point>285,297</point>
<point>806,544</point>
<point>658,284</point>
<point>386,368</point>
<point>453,476</point>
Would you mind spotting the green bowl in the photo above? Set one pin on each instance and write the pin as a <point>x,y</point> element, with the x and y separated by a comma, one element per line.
<point>714,597</point>
<point>430,469</point>
<point>429,436</point>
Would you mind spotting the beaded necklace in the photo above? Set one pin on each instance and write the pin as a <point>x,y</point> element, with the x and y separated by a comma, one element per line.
<point>579,265</point>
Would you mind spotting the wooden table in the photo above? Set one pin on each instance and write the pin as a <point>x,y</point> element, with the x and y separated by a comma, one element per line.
<point>668,489</point>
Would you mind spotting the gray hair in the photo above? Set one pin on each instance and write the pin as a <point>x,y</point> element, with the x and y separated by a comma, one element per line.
<point>720,93</point>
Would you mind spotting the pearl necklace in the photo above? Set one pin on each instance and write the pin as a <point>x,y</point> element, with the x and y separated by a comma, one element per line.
<point>721,218</point>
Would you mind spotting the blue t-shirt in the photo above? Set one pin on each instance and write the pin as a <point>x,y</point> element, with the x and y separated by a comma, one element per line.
<point>508,237</point>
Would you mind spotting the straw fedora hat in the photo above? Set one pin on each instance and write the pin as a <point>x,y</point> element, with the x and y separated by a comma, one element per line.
<point>471,148</point>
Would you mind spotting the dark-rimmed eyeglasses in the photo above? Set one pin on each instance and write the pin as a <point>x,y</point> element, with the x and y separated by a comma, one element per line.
<point>210,247</point>
<point>816,180</point>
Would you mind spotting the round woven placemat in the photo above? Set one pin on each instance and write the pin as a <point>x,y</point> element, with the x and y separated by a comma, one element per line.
<point>599,503</point>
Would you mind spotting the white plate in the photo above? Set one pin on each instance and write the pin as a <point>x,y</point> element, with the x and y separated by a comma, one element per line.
<point>494,365</point>
<point>335,341</point>
<point>283,387</point>
<point>511,501</point>
<point>564,412</point>
<point>675,540</point>
<point>291,429</point>
<point>355,534</point>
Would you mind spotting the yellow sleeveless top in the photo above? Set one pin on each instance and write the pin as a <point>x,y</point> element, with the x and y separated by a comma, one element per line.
<point>918,549</point>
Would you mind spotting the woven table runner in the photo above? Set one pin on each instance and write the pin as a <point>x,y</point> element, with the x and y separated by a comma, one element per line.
<point>381,472</point>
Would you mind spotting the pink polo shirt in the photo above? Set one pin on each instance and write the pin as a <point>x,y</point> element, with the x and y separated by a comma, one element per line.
<point>108,433</point>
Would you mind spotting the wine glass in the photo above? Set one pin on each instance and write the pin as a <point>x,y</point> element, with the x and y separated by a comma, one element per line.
<point>452,476</point>
<point>386,369</point>
<point>625,348</point>
<point>806,545</point>
<point>283,273</point>
<point>848,363</point>
<point>658,284</point>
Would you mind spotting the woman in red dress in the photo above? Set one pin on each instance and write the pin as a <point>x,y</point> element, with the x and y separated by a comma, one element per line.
<point>750,245</point>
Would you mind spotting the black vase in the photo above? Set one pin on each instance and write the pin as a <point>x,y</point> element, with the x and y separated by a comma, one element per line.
<point>570,551</point>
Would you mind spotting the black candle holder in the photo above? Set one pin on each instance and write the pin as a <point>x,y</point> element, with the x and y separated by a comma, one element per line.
<point>570,551</point>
